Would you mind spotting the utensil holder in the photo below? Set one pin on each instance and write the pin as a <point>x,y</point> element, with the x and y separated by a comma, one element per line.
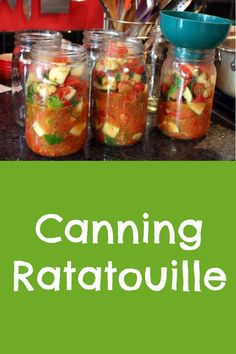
<point>136,29</point>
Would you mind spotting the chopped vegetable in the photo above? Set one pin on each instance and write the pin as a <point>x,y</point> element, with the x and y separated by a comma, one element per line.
<point>188,95</point>
<point>197,108</point>
<point>46,90</point>
<point>119,97</point>
<point>186,100</point>
<point>58,74</point>
<point>110,130</point>
<point>57,108</point>
<point>54,102</point>
<point>53,139</point>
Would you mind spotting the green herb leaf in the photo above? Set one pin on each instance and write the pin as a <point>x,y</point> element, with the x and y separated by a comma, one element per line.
<point>30,94</point>
<point>144,77</point>
<point>53,139</point>
<point>110,141</point>
<point>54,102</point>
<point>118,77</point>
<point>131,74</point>
<point>99,80</point>
<point>177,81</point>
<point>74,101</point>
<point>164,96</point>
<point>192,83</point>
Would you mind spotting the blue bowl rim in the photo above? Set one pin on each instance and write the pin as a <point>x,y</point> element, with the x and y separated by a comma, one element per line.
<point>179,15</point>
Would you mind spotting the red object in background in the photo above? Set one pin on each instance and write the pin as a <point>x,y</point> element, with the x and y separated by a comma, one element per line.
<point>82,15</point>
<point>5,66</point>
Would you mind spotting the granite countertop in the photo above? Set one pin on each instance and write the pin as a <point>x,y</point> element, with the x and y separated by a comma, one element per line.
<point>218,145</point>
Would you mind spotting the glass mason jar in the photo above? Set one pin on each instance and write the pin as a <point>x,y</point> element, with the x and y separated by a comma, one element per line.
<point>93,41</point>
<point>20,62</point>
<point>119,93</point>
<point>57,99</point>
<point>186,95</point>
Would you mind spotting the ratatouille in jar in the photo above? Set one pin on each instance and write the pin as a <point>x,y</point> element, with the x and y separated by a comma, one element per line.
<point>186,93</point>
<point>119,93</point>
<point>57,100</point>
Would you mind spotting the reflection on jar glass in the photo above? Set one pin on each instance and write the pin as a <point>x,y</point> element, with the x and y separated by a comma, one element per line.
<point>57,99</point>
<point>186,94</point>
<point>93,42</point>
<point>155,49</point>
<point>119,93</point>
<point>21,60</point>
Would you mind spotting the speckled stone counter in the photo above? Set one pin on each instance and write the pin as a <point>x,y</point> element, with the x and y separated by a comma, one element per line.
<point>218,145</point>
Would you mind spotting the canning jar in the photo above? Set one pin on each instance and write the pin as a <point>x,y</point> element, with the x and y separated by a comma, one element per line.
<point>186,94</point>
<point>93,41</point>
<point>21,60</point>
<point>57,99</point>
<point>119,93</point>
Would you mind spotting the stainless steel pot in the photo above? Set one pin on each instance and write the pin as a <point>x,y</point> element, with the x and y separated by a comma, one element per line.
<point>226,65</point>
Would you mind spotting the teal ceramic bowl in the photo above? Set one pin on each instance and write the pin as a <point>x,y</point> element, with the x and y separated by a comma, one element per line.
<point>193,30</point>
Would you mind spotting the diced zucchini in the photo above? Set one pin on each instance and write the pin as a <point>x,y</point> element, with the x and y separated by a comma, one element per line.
<point>188,95</point>
<point>78,129</point>
<point>38,130</point>
<point>78,70</point>
<point>197,108</point>
<point>202,79</point>
<point>207,92</point>
<point>107,83</point>
<point>124,77</point>
<point>110,130</point>
<point>137,136</point>
<point>58,74</point>
<point>172,127</point>
<point>136,77</point>
<point>46,90</point>
<point>110,63</point>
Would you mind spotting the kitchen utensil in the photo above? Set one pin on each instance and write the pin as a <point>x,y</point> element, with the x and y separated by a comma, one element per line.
<point>27,9</point>
<point>193,30</point>
<point>226,65</point>
<point>152,15</point>
<point>12,3</point>
<point>197,6</point>
<point>127,5</point>
<point>142,12</point>
<point>112,9</point>
<point>178,5</point>
<point>55,7</point>
<point>145,8</point>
